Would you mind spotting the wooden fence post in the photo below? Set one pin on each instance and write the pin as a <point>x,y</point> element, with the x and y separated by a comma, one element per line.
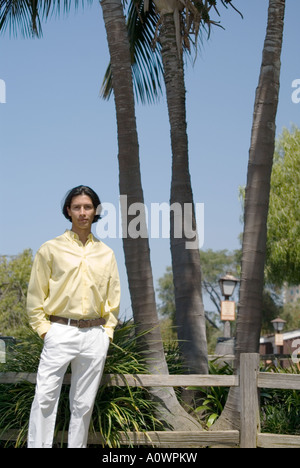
<point>250,419</point>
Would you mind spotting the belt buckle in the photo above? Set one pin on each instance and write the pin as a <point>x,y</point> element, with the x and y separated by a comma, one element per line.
<point>81,323</point>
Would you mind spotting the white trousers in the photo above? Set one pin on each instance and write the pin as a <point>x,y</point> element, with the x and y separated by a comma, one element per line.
<point>86,350</point>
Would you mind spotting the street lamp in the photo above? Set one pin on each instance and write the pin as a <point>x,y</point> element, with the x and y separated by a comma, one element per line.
<point>227,284</point>
<point>278,325</point>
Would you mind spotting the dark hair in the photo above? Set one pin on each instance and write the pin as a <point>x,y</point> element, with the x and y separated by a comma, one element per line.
<point>81,190</point>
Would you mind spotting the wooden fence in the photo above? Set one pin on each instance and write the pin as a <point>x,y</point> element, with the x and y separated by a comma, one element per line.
<point>250,381</point>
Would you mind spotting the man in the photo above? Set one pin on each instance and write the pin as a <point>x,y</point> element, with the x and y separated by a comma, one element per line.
<point>73,304</point>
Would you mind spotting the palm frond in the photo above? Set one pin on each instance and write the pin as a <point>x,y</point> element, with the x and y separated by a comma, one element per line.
<point>50,7</point>
<point>143,26</point>
<point>24,16</point>
<point>147,65</point>
<point>20,17</point>
<point>229,2</point>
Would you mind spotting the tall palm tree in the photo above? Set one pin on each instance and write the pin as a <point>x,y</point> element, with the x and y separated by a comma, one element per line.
<point>257,201</point>
<point>258,183</point>
<point>190,316</point>
<point>137,252</point>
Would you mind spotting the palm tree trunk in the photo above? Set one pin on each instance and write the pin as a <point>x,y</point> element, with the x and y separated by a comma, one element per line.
<point>190,316</point>
<point>257,201</point>
<point>258,184</point>
<point>137,252</point>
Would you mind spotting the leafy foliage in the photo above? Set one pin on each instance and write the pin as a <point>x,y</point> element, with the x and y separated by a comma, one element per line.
<point>214,264</point>
<point>116,408</point>
<point>14,278</point>
<point>214,398</point>
<point>283,241</point>
<point>144,18</point>
<point>19,16</point>
<point>283,247</point>
<point>25,16</point>
<point>280,409</point>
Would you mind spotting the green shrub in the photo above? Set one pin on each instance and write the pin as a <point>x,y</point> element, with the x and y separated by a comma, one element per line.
<point>116,408</point>
<point>280,409</point>
<point>213,398</point>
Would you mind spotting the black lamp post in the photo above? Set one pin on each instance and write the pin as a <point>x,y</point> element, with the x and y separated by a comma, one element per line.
<point>278,325</point>
<point>227,284</point>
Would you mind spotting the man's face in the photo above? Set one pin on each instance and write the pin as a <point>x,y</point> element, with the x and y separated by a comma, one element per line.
<point>82,212</point>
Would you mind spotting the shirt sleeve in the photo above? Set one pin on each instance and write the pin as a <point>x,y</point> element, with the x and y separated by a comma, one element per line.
<point>38,289</point>
<point>112,306</point>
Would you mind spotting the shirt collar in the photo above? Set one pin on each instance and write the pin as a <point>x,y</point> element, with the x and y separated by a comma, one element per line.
<point>75,238</point>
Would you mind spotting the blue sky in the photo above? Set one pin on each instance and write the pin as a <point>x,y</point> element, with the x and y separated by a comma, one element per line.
<point>56,132</point>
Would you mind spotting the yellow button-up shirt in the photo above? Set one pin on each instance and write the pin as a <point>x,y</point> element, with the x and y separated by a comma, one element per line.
<point>72,280</point>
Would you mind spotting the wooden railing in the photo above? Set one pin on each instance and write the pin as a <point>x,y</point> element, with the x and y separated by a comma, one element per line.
<point>249,381</point>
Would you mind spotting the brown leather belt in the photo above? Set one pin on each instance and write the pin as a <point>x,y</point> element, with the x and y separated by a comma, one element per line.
<point>78,323</point>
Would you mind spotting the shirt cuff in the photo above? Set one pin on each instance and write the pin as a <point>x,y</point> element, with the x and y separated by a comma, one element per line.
<point>43,329</point>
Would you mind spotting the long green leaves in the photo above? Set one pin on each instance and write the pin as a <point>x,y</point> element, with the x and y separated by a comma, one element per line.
<point>116,408</point>
<point>25,16</point>
<point>146,58</point>
<point>20,17</point>
<point>143,31</point>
